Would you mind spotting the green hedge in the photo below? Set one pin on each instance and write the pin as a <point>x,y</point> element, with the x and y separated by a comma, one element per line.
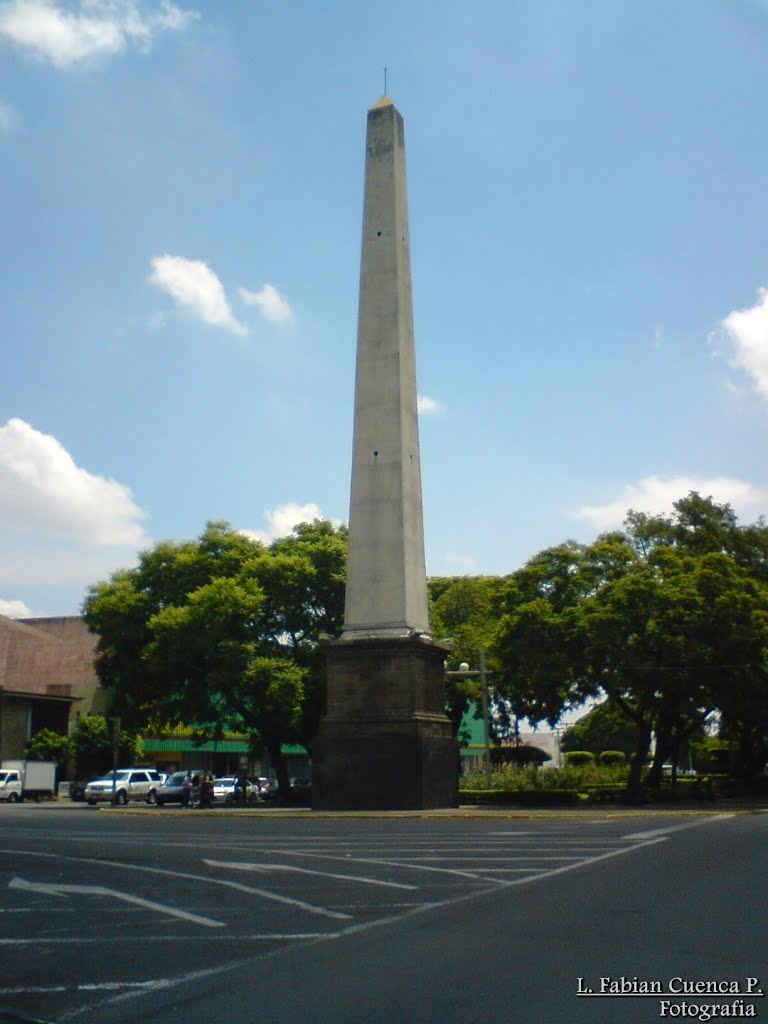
<point>612,757</point>
<point>520,797</point>
<point>606,794</point>
<point>684,790</point>
<point>579,758</point>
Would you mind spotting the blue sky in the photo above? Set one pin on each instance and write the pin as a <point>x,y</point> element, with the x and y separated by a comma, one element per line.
<point>180,214</point>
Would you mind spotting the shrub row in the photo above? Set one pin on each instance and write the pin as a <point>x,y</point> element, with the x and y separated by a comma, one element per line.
<point>521,797</point>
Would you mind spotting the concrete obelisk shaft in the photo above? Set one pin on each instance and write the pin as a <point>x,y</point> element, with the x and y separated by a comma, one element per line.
<point>385,740</point>
<point>386,578</point>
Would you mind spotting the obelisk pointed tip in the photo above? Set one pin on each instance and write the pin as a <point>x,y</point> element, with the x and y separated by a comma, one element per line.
<point>385,101</point>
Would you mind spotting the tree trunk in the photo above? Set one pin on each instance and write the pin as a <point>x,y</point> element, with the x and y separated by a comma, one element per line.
<point>637,763</point>
<point>663,750</point>
<point>280,768</point>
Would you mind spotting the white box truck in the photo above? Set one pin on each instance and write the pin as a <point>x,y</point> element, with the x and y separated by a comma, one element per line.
<point>27,780</point>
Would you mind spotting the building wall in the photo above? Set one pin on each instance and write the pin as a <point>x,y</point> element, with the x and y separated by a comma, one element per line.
<point>15,717</point>
<point>47,678</point>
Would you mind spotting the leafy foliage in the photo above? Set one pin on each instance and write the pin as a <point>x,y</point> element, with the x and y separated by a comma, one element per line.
<point>609,757</point>
<point>462,611</point>
<point>48,745</point>
<point>667,619</point>
<point>221,633</point>
<point>578,758</point>
<point>93,746</point>
<point>602,728</point>
<point>522,755</point>
<point>513,778</point>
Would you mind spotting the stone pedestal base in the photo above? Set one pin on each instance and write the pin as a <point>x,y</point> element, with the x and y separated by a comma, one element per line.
<point>385,742</point>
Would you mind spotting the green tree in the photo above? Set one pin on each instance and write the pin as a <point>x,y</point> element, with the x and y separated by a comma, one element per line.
<point>602,728</point>
<point>48,745</point>
<point>222,633</point>
<point>537,643</point>
<point>462,611</point>
<point>92,746</point>
<point>732,573</point>
<point>667,619</point>
<point>304,580</point>
<point>644,639</point>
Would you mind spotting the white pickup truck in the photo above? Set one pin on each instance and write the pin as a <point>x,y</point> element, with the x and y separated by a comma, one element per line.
<point>27,780</point>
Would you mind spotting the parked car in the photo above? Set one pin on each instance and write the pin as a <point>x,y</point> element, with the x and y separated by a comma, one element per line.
<point>125,784</point>
<point>224,790</point>
<point>172,789</point>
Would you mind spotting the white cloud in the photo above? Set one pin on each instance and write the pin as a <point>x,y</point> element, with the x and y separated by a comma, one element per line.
<point>7,117</point>
<point>281,520</point>
<point>747,332</point>
<point>14,609</point>
<point>464,564</point>
<point>91,30</point>
<point>429,406</point>
<point>270,303</point>
<point>44,493</point>
<point>195,287</point>
<point>655,496</point>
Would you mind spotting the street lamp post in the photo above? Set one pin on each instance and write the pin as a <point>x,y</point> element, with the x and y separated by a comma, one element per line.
<point>481,673</point>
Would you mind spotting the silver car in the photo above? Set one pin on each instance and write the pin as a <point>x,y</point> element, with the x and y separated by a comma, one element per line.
<point>125,784</point>
<point>224,789</point>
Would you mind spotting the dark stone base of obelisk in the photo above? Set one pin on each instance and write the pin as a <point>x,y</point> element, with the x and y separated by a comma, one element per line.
<point>385,742</point>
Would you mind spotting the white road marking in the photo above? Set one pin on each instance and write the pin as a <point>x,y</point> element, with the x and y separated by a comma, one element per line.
<point>527,857</point>
<point>99,890</point>
<point>381,862</point>
<point>167,983</point>
<point>225,883</point>
<point>87,986</point>
<point>510,871</point>
<point>551,872</point>
<point>176,939</point>
<point>87,1011</point>
<point>539,873</point>
<point>239,866</point>
<point>653,833</point>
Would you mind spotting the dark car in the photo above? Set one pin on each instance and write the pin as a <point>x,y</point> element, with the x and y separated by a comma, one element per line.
<point>172,789</point>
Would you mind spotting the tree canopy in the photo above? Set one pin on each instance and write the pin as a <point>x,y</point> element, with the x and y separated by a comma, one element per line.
<point>462,612</point>
<point>666,618</point>
<point>221,633</point>
<point>602,728</point>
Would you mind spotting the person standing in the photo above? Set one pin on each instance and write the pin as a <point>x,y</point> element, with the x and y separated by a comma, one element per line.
<point>241,788</point>
<point>206,788</point>
<point>186,790</point>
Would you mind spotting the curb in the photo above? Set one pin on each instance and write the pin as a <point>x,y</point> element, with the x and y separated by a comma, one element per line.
<point>460,813</point>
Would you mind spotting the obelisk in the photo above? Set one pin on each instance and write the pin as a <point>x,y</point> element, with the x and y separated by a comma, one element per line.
<point>385,740</point>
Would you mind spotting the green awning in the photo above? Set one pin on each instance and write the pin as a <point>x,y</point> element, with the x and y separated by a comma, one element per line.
<point>186,744</point>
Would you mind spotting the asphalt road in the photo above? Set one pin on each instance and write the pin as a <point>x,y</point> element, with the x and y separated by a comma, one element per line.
<point>258,917</point>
